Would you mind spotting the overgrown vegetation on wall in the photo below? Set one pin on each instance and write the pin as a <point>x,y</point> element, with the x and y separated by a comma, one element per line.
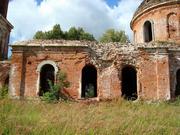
<point>55,92</point>
<point>112,35</point>
<point>72,34</point>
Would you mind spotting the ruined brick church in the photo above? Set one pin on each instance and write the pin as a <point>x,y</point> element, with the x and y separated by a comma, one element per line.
<point>148,69</point>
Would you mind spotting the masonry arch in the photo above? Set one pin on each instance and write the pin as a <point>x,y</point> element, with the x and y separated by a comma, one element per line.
<point>177,90</point>
<point>129,83</point>
<point>89,82</point>
<point>47,70</point>
<point>148,31</point>
<point>172,25</point>
<point>46,75</point>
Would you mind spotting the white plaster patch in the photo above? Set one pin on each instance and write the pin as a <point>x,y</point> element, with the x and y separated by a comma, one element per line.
<point>12,90</point>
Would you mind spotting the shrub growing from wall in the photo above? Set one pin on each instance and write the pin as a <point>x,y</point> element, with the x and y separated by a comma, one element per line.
<point>55,93</point>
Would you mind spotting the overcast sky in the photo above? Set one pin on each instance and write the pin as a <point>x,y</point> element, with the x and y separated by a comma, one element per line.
<point>95,16</point>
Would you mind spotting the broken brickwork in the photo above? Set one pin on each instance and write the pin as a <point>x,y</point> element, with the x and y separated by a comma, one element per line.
<point>152,62</point>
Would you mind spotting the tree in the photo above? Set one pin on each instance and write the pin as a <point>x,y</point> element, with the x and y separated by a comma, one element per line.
<point>56,33</point>
<point>79,34</point>
<point>87,36</point>
<point>39,35</point>
<point>48,35</point>
<point>73,34</point>
<point>112,35</point>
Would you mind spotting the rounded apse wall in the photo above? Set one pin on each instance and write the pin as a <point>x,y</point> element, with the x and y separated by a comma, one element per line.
<point>165,22</point>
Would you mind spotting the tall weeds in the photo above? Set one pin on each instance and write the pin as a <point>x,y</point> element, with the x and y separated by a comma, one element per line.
<point>102,118</point>
<point>4,92</point>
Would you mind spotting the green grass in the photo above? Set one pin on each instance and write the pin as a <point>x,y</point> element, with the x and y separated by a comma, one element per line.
<point>115,117</point>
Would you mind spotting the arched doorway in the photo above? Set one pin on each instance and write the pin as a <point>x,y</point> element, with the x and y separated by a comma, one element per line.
<point>46,74</point>
<point>129,83</point>
<point>89,82</point>
<point>177,91</point>
<point>148,31</point>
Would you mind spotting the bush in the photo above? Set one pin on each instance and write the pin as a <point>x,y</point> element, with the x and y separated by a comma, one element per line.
<point>90,91</point>
<point>112,35</point>
<point>4,92</point>
<point>73,34</point>
<point>55,92</point>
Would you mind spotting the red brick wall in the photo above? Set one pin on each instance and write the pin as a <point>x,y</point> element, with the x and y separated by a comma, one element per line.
<point>153,74</point>
<point>109,83</point>
<point>151,64</point>
<point>24,73</point>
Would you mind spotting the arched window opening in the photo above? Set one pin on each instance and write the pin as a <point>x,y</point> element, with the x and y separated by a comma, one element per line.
<point>89,82</point>
<point>177,91</point>
<point>148,37</point>
<point>46,74</point>
<point>129,83</point>
<point>172,23</point>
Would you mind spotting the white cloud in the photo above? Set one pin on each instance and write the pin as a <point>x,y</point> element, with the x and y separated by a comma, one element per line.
<point>123,14</point>
<point>95,16</point>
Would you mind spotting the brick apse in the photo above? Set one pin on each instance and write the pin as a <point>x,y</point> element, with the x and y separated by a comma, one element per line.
<point>148,69</point>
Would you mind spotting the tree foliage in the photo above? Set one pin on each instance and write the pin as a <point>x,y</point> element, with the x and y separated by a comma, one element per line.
<point>111,35</point>
<point>39,35</point>
<point>57,33</point>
